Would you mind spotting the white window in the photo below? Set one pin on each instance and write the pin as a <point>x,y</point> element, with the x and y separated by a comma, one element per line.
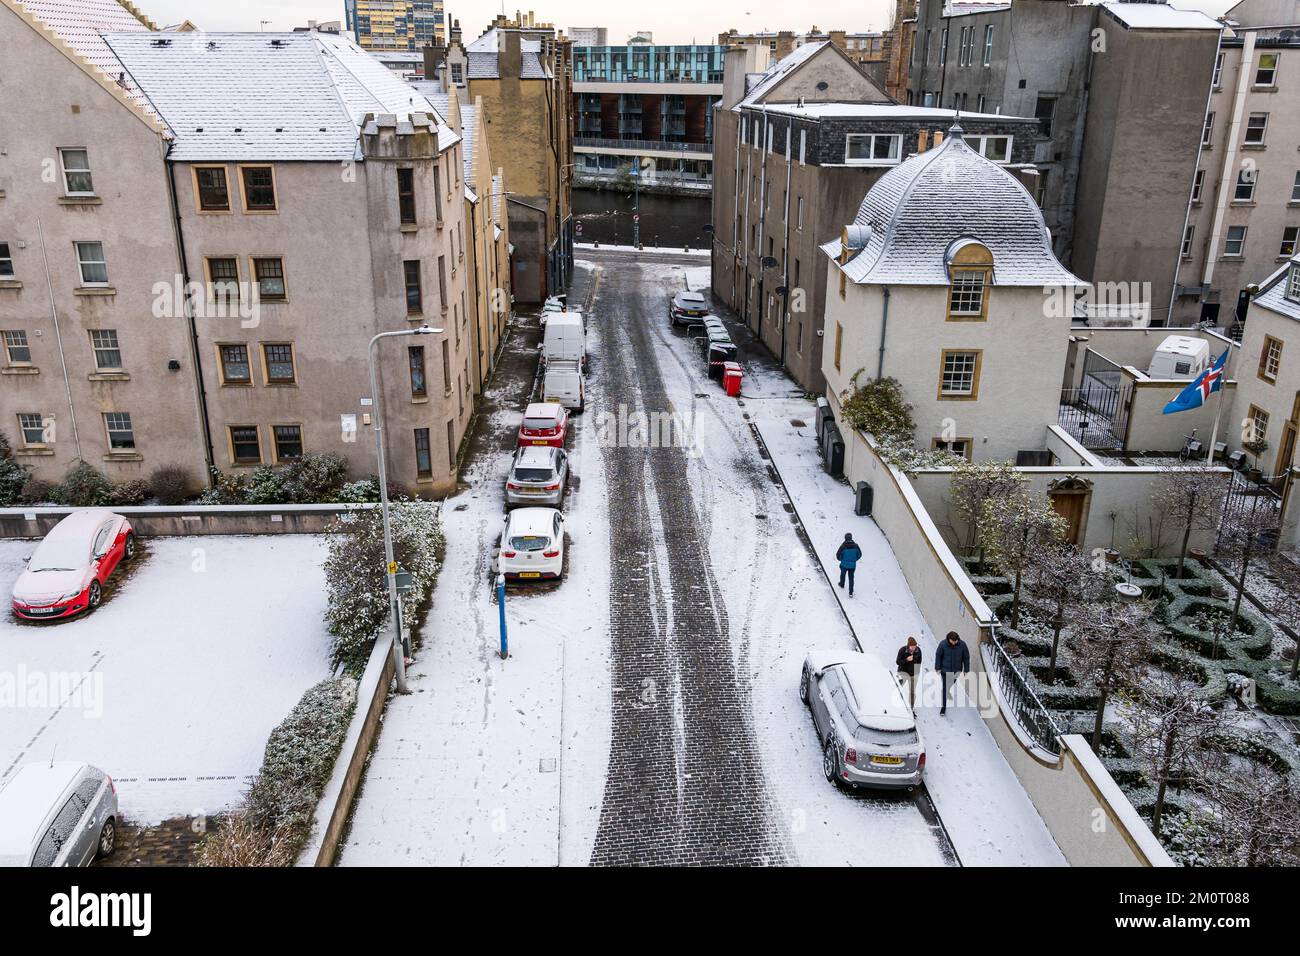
<point>1235,241</point>
<point>107,353</point>
<point>1187,241</point>
<point>970,45</point>
<point>1266,74</point>
<point>943,47</point>
<point>1245,189</point>
<point>1207,131</point>
<point>799,219</point>
<point>960,373</point>
<point>1218,72</point>
<point>996,149</point>
<point>17,350</point>
<point>869,149</point>
<point>1289,236</point>
<point>979,103</point>
<point>7,261</point>
<point>926,61</point>
<point>967,294</point>
<point>32,427</point>
<point>457,76</point>
<point>988,45</point>
<point>1197,185</point>
<point>1270,362</point>
<point>121,436</point>
<point>76,172</point>
<point>1256,127</point>
<point>94,268</point>
<point>1295,189</point>
<point>1293,284</point>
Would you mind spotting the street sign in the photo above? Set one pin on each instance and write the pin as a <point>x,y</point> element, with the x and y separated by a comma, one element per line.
<point>577,228</point>
<point>392,567</point>
<point>636,217</point>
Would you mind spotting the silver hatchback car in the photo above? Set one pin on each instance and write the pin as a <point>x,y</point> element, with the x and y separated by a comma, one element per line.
<point>538,476</point>
<point>57,814</point>
<point>866,729</point>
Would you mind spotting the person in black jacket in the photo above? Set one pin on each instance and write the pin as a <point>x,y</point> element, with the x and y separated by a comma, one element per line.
<point>908,661</point>
<point>951,657</point>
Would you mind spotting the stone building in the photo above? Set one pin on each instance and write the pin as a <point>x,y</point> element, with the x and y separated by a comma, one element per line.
<point>797,147</point>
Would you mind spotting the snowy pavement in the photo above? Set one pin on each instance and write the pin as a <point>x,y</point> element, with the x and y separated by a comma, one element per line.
<point>200,648</point>
<point>987,813</point>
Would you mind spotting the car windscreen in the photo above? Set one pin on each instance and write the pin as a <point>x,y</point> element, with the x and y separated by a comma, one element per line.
<point>530,542</point>
<point>891,738</point>
<point>533,474</point>
<point>539,424</point>
<point>60,554</point>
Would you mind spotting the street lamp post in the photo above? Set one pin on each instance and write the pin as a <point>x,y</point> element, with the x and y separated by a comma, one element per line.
<point>390,565</point>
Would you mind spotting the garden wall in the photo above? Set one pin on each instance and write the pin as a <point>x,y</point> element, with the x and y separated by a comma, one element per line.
<point>1150,429</point>
<point>183,520</point>
<point>1087,814</point>
<point>1133,347</point>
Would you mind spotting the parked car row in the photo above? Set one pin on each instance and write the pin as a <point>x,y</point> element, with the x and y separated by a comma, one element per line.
<point>532,538</point>
<point>690,309</point>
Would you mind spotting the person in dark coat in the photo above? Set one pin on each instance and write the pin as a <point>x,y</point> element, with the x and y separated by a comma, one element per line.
<point>849,554</point>
<point>951,657</point>
<point>908,662</point>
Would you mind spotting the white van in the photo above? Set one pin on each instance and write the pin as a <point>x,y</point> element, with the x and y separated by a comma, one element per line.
<point>60,813</point>
<point>563,383</point>
<point>565,339</point>
<point>1180,357</point>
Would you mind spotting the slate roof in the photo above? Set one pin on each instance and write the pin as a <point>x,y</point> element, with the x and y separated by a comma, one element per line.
<point>778,71</point>
<point>917,211</point>
<point>266,96</point>
<point>483,52</point>
<point>1273,294</point>
<point>441,101</point>
<point>81,23</point>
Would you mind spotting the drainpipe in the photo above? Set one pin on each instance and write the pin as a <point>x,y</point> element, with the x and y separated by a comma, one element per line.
<point>58,338</point>
<point>1187,217</point>
<point>884,328</point>
<point>1227,181</point>
<point>200,391</point>
<point>478,302</point>
<point>785,252</point>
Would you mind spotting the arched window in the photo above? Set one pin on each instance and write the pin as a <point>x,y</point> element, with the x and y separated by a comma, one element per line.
<point>970,274</point>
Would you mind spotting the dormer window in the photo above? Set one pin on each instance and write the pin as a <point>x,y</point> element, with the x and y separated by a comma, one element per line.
<point>1293,283</point>
<point>970,272</point>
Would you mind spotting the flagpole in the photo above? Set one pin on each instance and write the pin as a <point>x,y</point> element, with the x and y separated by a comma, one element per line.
<point>1218,412</point>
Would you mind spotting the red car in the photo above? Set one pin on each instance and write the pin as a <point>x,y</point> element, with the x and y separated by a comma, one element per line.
<point>66,573</point>
<point>545,423</point>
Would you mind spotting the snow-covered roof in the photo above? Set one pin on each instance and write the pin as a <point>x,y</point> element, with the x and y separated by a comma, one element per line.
<point>1272,295</point>
<point>266,96</point>
<point>483,55</point>
<point>968,9</point>
<point>766,81</point>
<point>81,25</point>
<point>883,111</point>
<point>1160,16</point>
<point>913,215</point>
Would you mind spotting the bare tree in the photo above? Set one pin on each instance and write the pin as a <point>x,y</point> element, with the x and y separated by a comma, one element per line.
<point>974,483</point>
<point>1015,532</point>
<point>1064,577</point>
<point>1110,641</point>
<point>1169,732</point>
<point>1256,817</point>
<point>1287,609</point>
<point>1239,545</point>
<point>1193,498</point>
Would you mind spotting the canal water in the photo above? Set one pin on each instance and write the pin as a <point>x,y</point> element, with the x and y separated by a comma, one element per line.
<point>670,221</point>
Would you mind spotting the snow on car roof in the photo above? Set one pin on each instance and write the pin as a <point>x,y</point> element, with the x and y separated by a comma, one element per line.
<point>538,521</point>
<point>690,296</point>
<point>876,693</point>
<point>542,410</point>
<point>80,524</point>
<point>536,456</point>
<point>27,799</point>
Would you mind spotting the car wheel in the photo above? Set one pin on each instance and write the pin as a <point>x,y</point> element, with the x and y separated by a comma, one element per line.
<point>96,595</point>
<point>107,840</point>
<point>128,549</point>
<point>831,763</point>
<point>803,686</point>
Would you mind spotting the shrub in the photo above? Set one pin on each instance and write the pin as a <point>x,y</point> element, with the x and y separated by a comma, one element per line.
<point>360,492</point>
<point>226,490</point>
<point>12,474</point>
<point>878,407</point>
<point>170,484</point>
<point>128,493</point>
<point>316,477</point>
<point>357,584</point>
<point>275,821</point>
<point>266,486</point>
<point>36,491</point>
<point>83,486</point>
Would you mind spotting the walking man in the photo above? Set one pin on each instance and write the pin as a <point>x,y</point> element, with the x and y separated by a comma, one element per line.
<point>952,657</point>
<point>908,662</point>
<point>848,554</point>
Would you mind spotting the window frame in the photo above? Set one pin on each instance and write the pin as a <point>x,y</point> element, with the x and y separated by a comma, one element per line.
<point>10,361</point>
<point>1198,185</point>
<point>275,442</point>
<point>1271,84</point>
<point>1270,359</point>
<point>938,444</point>
<point>198,189</point>
<point>24,428</point>
<point>975,372</point>
<point>1217,81</point>
<point>64,171</point>
<point>988,45</point>
<point>1247,179</point>
<point>983,140</point>
<point>212,298</point>
<point>222,375</point>
<point>422,369</point>
<point>1291,290</point>
<point>109,430</point>
<point>406,198</point>
<point>97,350</point>
<point>1241,247</point>
<point>1293,242</point>
<point>1207,131</point>
<point>419,285</point>
<point>1248,129</point>
<point>255,269</point>
<point>268,379</point>
<point>1255,415</point>
<point>1189,236</point>
<point>232,444</point>
<point>426,473</point>
<point>896,141</point>
<point>8,257</point>
<point>83,262</point>
<point>975,281</point>
<point>243,169</point>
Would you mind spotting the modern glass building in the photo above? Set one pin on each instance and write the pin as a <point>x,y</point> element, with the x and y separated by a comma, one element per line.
<point>396,24</point>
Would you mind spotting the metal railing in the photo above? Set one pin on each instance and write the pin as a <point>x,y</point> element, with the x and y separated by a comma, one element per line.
<point>1095,415</point>
<point>596,142</point>
<point>1024,706</point>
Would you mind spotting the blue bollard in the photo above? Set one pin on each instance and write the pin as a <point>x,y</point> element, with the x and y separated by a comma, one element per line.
<point>501,609</point>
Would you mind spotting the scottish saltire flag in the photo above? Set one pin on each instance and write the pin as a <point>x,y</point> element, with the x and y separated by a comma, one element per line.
<point>1198,393</point>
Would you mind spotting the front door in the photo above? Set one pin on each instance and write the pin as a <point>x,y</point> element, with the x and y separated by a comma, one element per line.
<point>1070,505</point>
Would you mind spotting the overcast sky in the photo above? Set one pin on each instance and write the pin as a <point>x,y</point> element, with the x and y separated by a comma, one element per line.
<point>671,21</point>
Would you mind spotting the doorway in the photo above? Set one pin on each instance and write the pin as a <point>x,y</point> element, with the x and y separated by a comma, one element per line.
<point>1070,499</point>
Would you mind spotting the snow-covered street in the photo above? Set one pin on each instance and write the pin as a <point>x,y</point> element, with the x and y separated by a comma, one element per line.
<point>198,651</point>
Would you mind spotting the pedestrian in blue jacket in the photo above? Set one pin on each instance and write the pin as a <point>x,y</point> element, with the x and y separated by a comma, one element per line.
<point>951,657</point>
<point>849,555</point>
